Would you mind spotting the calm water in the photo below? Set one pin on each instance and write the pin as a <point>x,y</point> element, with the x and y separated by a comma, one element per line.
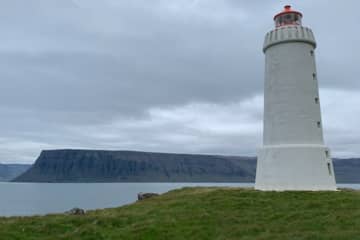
<point>43,198</point>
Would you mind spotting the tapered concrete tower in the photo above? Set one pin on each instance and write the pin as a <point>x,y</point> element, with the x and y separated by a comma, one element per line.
<point>293,155</point>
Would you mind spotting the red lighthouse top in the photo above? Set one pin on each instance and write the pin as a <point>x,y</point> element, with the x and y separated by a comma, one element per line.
<point>288,17</point>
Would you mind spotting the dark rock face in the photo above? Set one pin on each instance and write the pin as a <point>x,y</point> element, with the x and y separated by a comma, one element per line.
<point>10,171</point>
<point>347,170</point>
<point>131,166</point>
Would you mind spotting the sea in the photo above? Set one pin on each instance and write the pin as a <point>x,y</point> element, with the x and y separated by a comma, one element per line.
<point>27,199</point>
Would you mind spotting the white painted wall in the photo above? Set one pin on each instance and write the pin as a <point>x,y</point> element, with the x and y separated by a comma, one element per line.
<point>293,156</point>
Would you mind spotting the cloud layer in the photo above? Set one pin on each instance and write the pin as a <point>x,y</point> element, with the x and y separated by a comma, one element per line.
<point>172,76</point>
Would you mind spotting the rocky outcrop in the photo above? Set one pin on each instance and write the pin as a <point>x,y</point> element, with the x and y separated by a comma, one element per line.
<point>76,211</point>
<point>142,196</point>
<point>132,166</point>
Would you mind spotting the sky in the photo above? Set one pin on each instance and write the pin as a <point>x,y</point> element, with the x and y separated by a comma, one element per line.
<point>181,76</point>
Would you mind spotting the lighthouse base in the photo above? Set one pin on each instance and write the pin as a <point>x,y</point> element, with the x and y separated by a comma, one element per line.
<point>294,167</point>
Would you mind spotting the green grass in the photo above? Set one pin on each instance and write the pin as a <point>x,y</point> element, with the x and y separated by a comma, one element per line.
<point>205,213</point>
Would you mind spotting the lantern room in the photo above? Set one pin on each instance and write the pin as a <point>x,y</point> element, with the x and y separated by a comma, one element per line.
<point>287,17</point>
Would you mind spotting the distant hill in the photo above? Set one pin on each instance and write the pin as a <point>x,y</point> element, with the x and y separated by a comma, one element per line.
<point>132,166</point>
<point>10,171</point>
<point>347,170</point>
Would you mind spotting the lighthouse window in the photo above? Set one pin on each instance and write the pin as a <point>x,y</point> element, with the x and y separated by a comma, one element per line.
<point>318,124</point>
<point>288,19</point>
<point>316,100</point>
<point>314,76</point>
<point>329,168</point>
<point>312,52</point>
<point>327,154</point>
<point>279,21</point>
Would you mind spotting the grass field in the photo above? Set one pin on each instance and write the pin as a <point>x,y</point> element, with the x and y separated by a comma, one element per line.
<point>205,213</point>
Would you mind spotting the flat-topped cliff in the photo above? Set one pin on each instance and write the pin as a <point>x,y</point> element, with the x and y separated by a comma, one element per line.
<point>132,166</point>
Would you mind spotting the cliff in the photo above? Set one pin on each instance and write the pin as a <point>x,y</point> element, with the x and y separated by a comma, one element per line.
<point>131,166</point>
<point>347,170</point>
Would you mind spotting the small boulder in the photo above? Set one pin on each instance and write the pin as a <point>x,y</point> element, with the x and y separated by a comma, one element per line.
<point>142,196</point>
<point>76,211</point>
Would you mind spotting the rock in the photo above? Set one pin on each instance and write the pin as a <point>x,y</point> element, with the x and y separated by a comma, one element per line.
<point>142,196</point>
<point>76,211</point>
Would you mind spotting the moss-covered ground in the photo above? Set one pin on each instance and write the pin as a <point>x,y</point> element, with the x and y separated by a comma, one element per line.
<point>205,213</point>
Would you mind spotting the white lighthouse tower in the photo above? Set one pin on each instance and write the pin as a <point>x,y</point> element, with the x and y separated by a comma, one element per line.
<point>293,155</point>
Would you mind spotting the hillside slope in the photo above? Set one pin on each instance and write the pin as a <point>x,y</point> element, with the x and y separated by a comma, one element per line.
<point>205,214</point>
<point>10,171</point>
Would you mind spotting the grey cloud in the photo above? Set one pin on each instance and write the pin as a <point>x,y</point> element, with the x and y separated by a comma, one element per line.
<point>164,61</point>
<point>68,66</point>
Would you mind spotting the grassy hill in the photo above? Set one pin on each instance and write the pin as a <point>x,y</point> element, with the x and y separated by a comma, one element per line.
<point>205,213</point>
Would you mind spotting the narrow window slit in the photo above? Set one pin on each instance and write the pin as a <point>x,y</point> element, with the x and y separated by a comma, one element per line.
<point>316,100</point>
<point>314,76</point>
<point>312,52</point>
<point>329,168</point>
<point>327,154</point>
<point>318,124</point>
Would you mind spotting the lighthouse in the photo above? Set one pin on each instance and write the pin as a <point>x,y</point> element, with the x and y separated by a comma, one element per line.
<point>293,155</point>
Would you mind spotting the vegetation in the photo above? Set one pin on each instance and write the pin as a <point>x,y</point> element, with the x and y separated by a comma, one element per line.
<point>205,213</point>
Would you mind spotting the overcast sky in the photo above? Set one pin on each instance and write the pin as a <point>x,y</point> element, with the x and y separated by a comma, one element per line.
<point>172,76</point>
